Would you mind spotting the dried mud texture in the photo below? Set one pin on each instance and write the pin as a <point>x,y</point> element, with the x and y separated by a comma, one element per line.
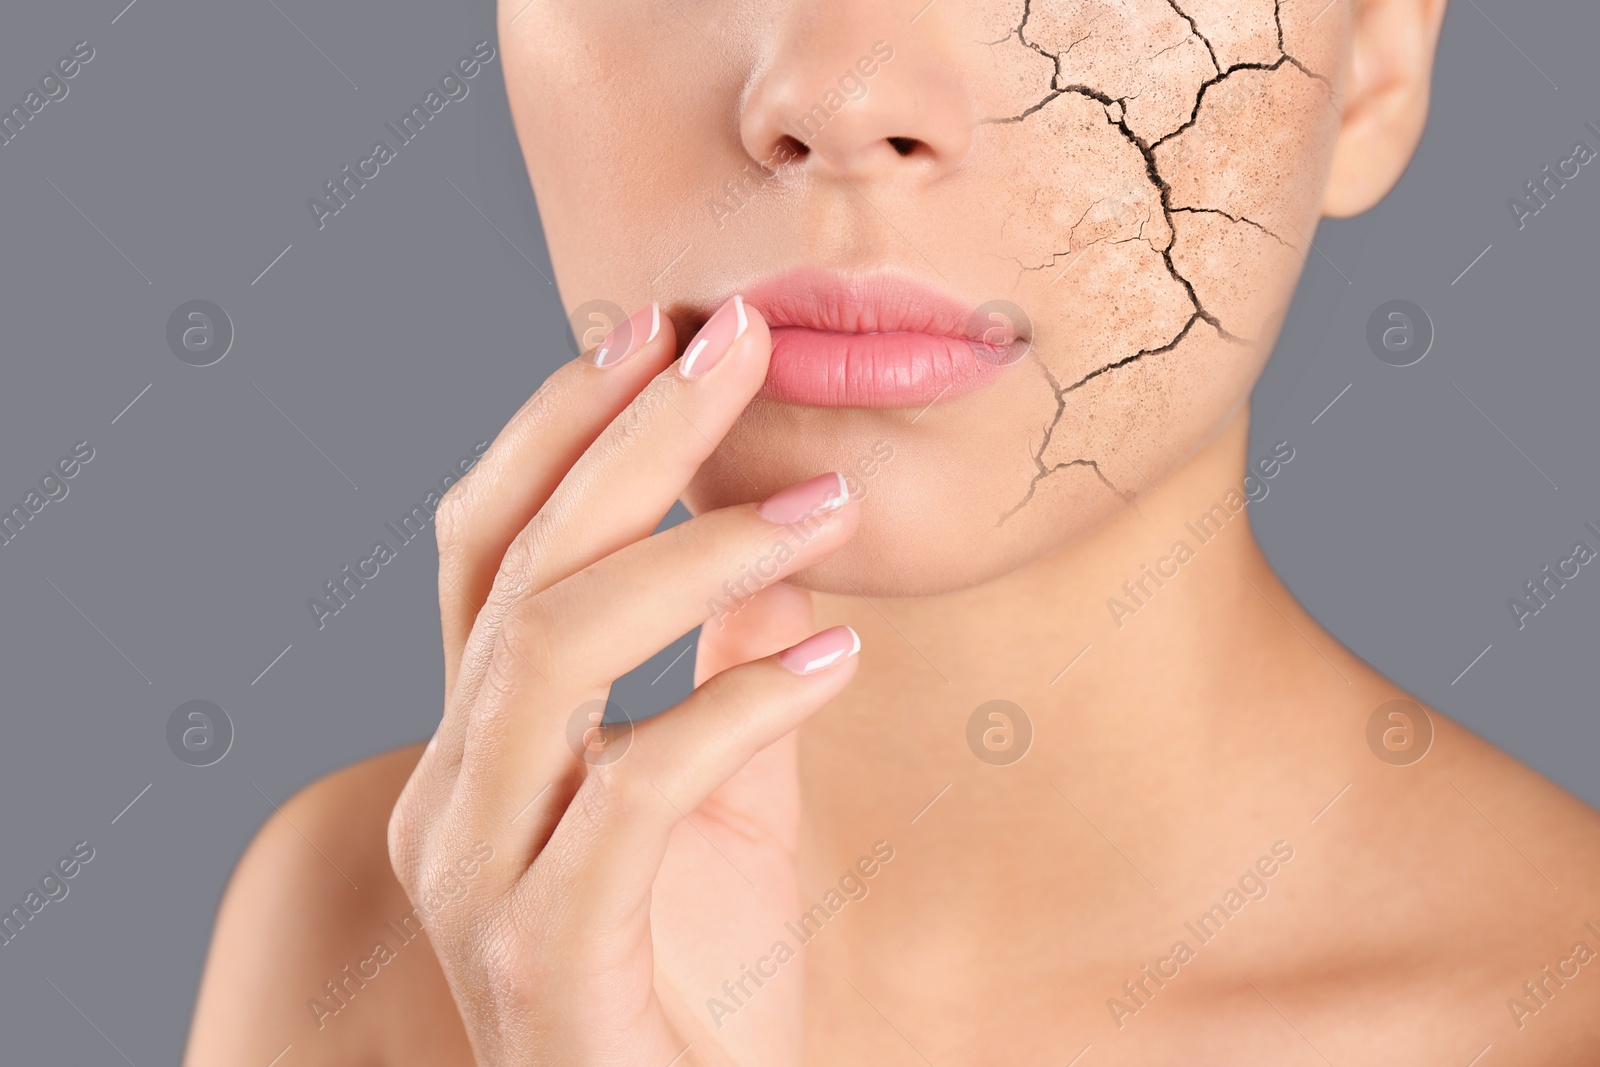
<point>1174,194</point>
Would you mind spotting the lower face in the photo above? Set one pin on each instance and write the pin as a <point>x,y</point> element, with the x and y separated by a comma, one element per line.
<point>1002,337</point>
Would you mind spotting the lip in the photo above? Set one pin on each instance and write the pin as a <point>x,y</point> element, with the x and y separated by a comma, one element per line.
<point>880,340</point>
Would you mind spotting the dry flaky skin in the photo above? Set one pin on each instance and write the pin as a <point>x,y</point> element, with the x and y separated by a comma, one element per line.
<point>1238,31</point>
<point>1187,143</point>
<point>1142,53</point>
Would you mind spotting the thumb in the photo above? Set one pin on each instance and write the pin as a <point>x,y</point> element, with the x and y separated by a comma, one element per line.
<point>766,792</point>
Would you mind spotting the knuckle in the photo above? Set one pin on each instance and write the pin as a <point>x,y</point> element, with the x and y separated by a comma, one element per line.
<point>418,825</point>
<point>608,796</point>
<point>435,871</point>
<point>635,421</point>
<point>401,839</point>
<point>407,837</point>
<point>452,517</point>
<point>521,644</point>
<point>517,576</point>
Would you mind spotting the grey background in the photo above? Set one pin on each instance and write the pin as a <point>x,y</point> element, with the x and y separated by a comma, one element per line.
<point>410,327</point>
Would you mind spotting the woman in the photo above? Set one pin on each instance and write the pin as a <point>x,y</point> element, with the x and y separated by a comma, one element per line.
<point>1008,746</point>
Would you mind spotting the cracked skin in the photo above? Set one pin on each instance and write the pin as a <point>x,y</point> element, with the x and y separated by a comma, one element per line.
<point>1181,132</point>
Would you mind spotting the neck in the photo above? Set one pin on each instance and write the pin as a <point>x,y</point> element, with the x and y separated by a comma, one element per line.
<point>1152,659</point>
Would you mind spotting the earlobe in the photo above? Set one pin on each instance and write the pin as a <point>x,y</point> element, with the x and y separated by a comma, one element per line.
<point>1388,71</point>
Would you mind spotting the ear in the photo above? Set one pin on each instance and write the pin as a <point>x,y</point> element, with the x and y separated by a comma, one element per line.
<point>1387,75</point>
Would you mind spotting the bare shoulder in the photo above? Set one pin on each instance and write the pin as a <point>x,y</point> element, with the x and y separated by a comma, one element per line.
<point>316,946</point>
<point>1524,855</point>
<point>1465,886</point>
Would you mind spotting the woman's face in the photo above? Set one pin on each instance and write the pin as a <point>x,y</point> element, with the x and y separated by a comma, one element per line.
<point>1074,226</point>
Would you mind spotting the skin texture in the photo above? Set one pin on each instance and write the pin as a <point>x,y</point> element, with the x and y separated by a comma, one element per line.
<point>1142,193</point>
<point>1142,178</point>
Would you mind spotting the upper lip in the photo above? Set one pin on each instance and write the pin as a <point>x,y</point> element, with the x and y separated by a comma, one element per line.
<point>879,302</point>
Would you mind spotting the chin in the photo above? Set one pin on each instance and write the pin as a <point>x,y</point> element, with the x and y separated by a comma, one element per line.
<point>881,568</point>
<point>939,512</point>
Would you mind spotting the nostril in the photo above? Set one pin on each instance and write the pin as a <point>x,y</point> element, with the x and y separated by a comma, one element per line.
<point>904,145</point>
<point>789,148</point>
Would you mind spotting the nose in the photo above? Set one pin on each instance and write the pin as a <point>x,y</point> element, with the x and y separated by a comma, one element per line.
<point>852,105</point>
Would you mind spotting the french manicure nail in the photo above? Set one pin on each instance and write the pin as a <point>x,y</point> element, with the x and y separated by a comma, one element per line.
<point>714,339</point>
<point>628,336</point>
<point>821,651</point>
<point>825,492</point>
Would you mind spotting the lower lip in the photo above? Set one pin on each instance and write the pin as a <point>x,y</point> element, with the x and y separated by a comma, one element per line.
<point>823,368</point>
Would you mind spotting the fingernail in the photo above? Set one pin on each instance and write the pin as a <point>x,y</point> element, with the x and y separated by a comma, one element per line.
<point>825,492</point>
<point>626,338</point>
<point>714,339</point>
<point>821,651</point>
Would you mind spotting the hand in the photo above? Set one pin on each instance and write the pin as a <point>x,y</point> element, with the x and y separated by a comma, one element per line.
<point>585,902</point>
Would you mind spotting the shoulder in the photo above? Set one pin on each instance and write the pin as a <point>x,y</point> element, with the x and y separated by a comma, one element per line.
<point>1466,885</point>
<point>316,945</point>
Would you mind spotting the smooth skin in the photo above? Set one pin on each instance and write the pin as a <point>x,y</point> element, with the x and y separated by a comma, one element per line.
<point>582,913</point>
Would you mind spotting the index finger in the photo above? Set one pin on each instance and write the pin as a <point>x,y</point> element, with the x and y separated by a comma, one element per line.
<point>530,456</point>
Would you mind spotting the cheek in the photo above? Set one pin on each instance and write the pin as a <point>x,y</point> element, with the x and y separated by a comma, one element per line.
<point>1158,225</point>
<point>618,144</point>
